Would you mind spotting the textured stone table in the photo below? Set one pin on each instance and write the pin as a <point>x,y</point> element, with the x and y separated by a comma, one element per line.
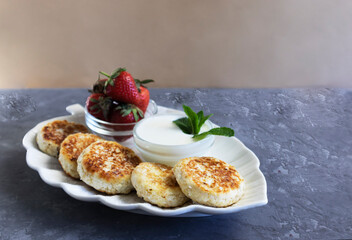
<point>303,138</point>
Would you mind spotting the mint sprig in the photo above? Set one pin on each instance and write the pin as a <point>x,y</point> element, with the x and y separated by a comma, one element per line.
<point>222,131</point>
<point>184,125</point>
<point>194,122</point>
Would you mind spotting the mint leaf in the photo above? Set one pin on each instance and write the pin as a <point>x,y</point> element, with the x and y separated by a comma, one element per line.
<point>192,118</point>
<point>221,131</point>
<point>194,122</point>
<point>202,118</point>
<point>184,125</point>
<point>200,115</point>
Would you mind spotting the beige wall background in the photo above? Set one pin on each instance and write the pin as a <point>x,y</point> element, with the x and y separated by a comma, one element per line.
<point>179,43</point>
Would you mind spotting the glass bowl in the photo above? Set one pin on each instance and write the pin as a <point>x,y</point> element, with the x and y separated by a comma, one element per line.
<point>171,154</point>
<point>119,132</point>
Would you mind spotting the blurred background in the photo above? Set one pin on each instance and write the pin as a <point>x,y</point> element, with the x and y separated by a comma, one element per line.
<point>179,43</point>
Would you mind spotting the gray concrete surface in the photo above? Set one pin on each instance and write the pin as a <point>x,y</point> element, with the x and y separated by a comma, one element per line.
<point>303,138</point>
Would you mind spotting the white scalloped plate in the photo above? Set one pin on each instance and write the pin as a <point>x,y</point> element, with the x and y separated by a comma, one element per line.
<point>230,150</point>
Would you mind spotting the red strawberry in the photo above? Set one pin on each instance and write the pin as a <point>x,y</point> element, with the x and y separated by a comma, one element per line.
<point>127,115</point>
<point>143,97</point>
<point>98,105</point>
<point>99,86</point>
<point>121,87</point>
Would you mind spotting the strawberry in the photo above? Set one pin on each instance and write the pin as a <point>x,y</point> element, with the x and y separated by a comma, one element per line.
<point>127,115</point>
<point>121,87</point>
<point>98,105</point>
<point>143,99</point>
<point>144,96</point>
<point>99,86</point>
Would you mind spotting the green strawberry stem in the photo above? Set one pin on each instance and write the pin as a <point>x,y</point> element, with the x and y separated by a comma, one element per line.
<point>105,74</point>
<point>142,83</point>
<point>114,75</point>
<point>126,109</point>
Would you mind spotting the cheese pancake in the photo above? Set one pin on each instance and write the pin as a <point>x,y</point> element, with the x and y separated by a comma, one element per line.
<point>209,181</point>
<point>107,166</point>
<point>53,133</point>
<point>71,148</point>
<point>156,184</point>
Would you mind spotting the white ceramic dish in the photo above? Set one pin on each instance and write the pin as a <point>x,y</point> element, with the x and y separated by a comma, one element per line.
<point>168,154</point>
<point>230,150</point>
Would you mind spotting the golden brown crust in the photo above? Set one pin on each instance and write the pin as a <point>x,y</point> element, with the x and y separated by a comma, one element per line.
<point>160,174</point>
<point>156,184</point>
<point>110,160</point>
<point>209,173</point>
<point>74,144</point>
<point>58,130</point>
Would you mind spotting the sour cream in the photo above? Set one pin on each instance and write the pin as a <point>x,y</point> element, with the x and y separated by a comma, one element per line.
<point>162,130</point>
<point>158,139</point>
